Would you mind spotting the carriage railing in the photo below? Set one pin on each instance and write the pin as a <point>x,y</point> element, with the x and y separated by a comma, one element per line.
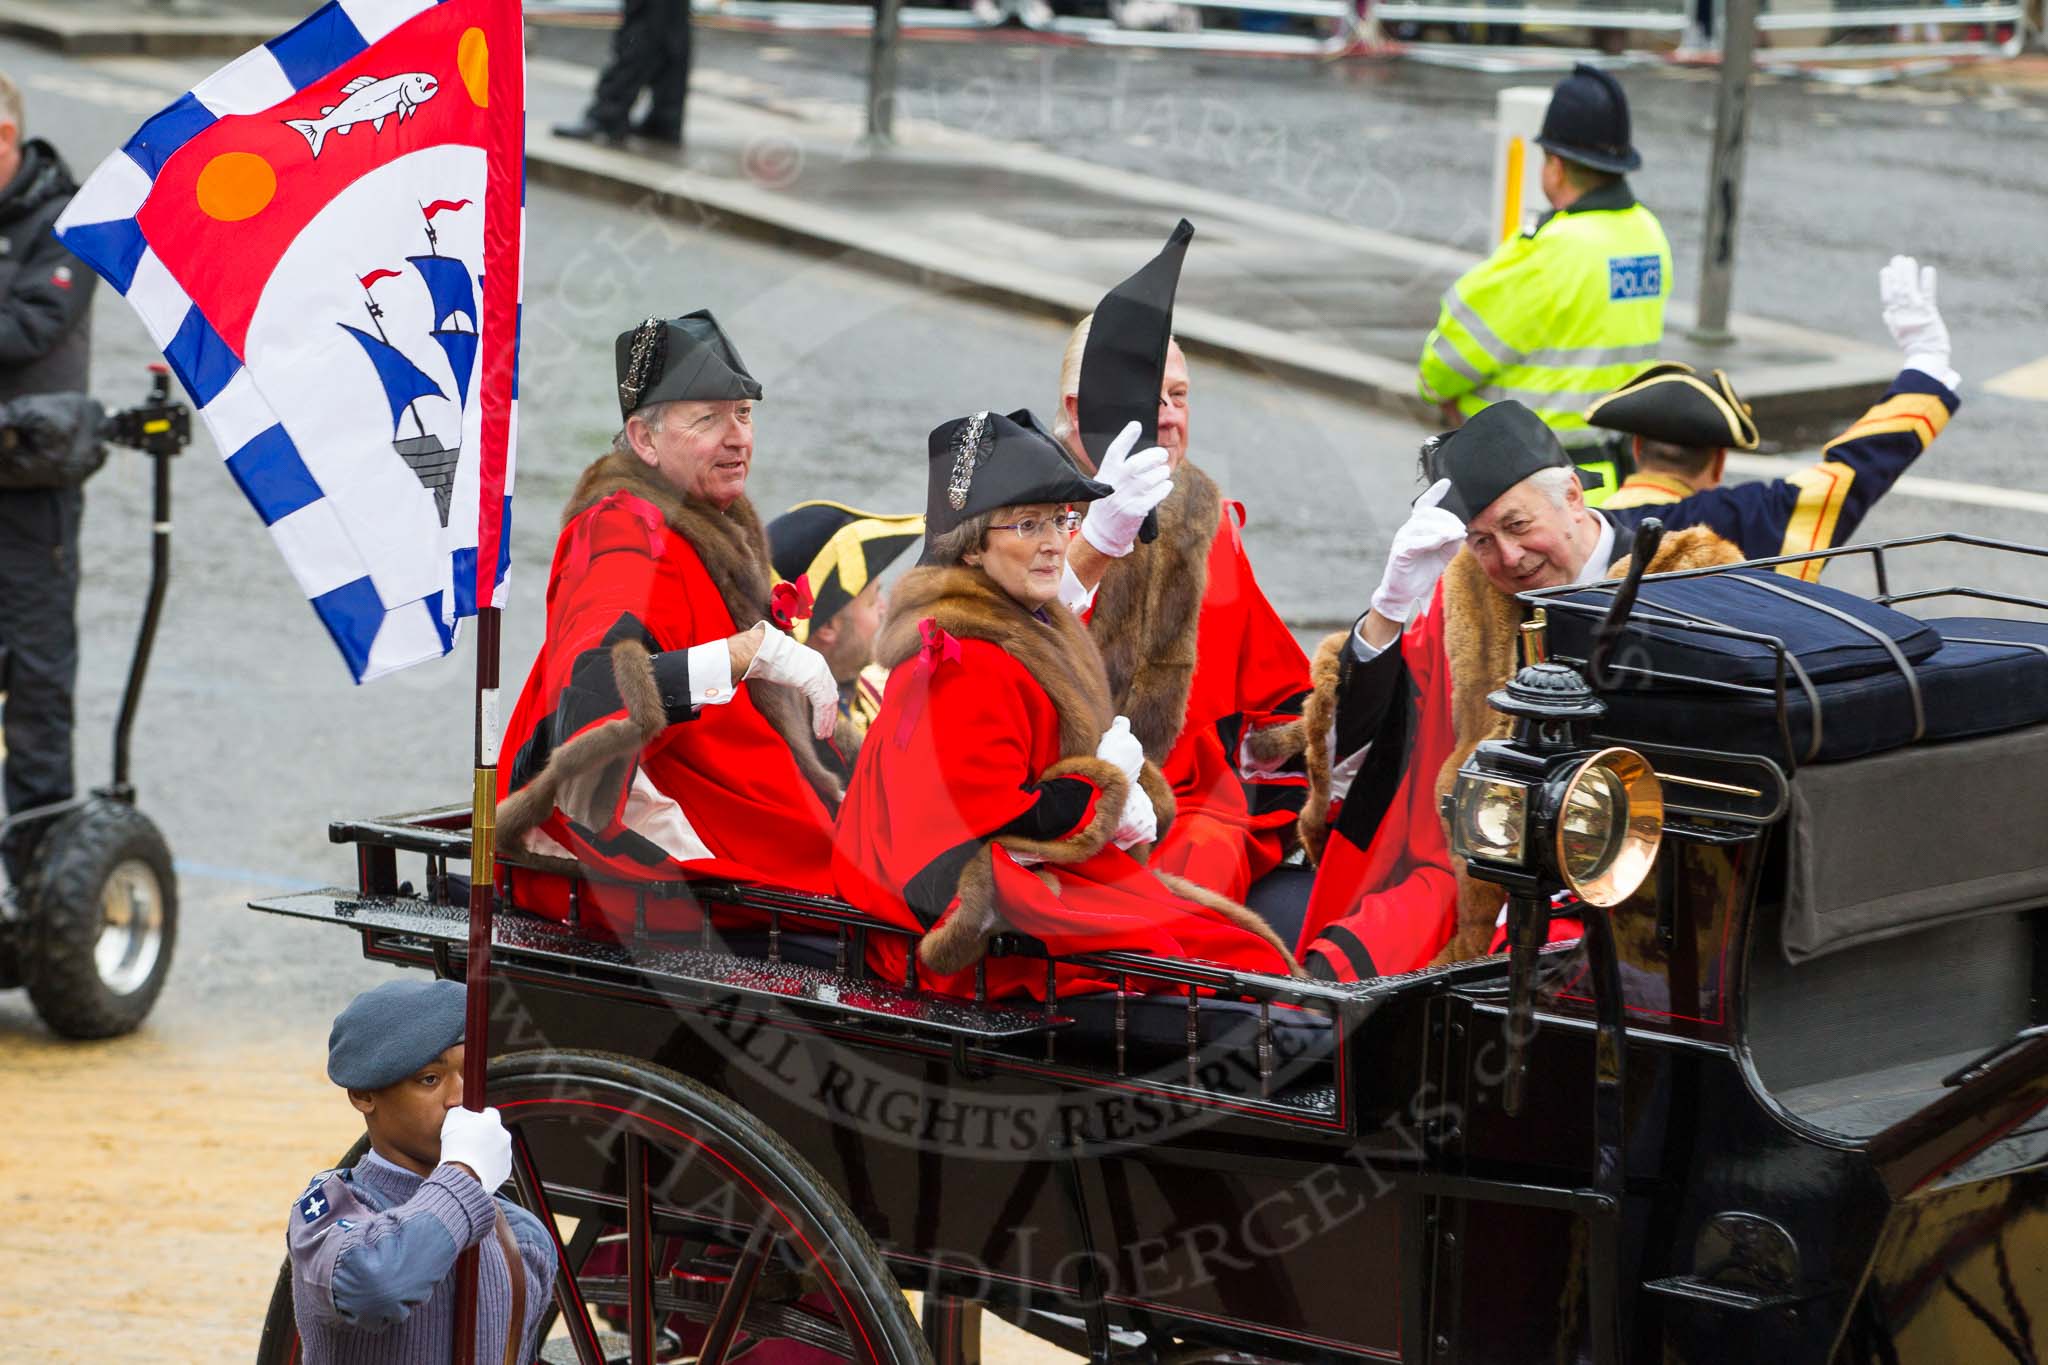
<point>1556,602</point>
<point>441,836</point>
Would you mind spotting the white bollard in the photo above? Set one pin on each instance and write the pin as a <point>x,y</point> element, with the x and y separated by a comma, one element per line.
<point>1517,161</point>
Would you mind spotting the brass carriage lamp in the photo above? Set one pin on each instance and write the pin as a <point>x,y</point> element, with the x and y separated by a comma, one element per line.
<point>1547,811</point>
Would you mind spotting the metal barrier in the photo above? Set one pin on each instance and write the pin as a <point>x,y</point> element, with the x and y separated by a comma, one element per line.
<point>1863,30</point>
<point>1860,31</point>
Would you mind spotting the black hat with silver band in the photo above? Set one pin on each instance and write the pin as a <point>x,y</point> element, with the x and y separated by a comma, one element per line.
<point>990,460</point>
<point>688,357</point>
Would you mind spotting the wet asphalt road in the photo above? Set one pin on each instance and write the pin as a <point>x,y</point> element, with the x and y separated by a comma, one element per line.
<point>1837,181</point>
<point>252,737</point>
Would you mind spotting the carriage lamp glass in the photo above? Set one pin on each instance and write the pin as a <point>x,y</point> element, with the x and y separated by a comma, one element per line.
<point>1490,819</point>
<point>1610,820</point>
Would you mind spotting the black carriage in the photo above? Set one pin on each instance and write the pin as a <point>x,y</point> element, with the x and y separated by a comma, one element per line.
<point>1758,1111</point>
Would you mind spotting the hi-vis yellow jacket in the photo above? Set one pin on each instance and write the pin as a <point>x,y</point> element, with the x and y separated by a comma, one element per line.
<point>1555,317</point>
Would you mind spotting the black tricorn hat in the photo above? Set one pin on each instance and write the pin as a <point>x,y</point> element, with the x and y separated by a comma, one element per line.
<point>1588,122</point>
<point>1670,402</point>
<point>988,460</point>
<point>682,358</point>
<point>840,548</point>
<point>1498,447</point>
<point>1124,361</point>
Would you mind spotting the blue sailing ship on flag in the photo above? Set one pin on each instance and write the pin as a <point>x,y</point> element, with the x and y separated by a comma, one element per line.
<point>455,332</point>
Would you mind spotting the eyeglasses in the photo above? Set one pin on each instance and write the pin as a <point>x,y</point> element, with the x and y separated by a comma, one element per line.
<point>1031,528</point>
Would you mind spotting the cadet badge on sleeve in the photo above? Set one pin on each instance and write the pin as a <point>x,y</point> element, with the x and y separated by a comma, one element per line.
<point>313,1207</point>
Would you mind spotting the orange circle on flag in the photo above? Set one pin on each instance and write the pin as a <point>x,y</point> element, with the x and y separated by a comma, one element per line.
<point>473,60</point>
<point>236,185</point>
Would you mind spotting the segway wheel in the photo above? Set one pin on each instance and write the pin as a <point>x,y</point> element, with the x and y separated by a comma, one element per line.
<point>103,917</point>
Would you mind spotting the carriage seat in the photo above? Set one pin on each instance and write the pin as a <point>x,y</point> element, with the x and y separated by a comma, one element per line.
<point>1861,678</point>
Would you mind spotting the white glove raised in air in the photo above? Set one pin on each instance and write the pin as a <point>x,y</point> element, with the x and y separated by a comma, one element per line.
<point>1424,546</point>
<point>1140,482</point>
<point>780,659</point>
<point>1121,747</point>
<point>1139,823</point>
<point>477,1138</point>
<point>1906,288</point>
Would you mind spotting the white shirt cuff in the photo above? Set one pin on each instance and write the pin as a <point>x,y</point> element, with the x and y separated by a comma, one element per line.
<point>1364,650</point>
<point>1936,368</point>
<point>710,674</point>
<point>1073,595</point>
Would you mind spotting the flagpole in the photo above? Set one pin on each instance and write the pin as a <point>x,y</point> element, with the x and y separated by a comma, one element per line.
<point>504,50</point>
<point>482,903</point>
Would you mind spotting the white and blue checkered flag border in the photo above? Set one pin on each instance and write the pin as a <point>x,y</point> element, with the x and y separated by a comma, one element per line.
<point>100,227</point>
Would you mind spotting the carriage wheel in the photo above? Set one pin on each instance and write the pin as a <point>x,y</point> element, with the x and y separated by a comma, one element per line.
<point>688,1230</point>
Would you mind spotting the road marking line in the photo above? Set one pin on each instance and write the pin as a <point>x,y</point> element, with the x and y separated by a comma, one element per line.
<point>1913,486</point>
<point>2025,381</point>
<point>240,876</point>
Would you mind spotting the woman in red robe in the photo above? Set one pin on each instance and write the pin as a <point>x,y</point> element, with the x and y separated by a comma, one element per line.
<point>997,789</point>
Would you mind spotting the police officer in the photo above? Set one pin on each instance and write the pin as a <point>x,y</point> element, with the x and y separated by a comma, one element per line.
<point>651,52</point>
<point>373,1247</point>
<point>45,343</point>
<point>1563,313</point>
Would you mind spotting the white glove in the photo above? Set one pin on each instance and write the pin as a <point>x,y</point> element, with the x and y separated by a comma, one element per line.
<point>477,1139</point>
<point>1906,289</point>
<point>780,659</point>
<point>1424,546</point>
<point>1141,481</point>
<point>1121,747</point>
<point>1139,823</point>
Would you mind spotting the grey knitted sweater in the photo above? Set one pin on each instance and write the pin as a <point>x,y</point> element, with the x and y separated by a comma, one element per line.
<point>373,1253</point>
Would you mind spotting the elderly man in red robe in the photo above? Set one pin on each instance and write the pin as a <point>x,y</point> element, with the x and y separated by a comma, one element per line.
<point>1400,700</point>
<point>1211,678</point>
<point>666,728</point>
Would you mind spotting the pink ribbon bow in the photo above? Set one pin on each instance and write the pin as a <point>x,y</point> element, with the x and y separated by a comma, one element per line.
<point>939,648</point>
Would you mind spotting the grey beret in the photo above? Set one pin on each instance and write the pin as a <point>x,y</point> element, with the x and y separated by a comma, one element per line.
<point>393,1030</point>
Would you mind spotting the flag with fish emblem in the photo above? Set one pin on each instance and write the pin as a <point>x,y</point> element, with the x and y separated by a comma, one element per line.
<point>324,238</point>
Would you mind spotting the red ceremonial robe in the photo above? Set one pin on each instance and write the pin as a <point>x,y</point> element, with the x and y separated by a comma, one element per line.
<point>1210,676</point>
<point>984,754</point>
<point>603,761</point>
<point>1385,897</point>
<point>1388,896</point>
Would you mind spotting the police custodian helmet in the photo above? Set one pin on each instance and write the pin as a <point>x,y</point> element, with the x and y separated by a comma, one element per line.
<point>1587,122</point>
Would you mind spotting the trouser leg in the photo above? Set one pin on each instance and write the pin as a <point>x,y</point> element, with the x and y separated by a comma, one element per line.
<point>670,86</point>
<point>38,624</point>
<point>636,56</point>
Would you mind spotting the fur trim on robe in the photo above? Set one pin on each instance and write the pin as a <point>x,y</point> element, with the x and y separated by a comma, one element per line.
<point>1318,715</point>
<point>1481,628</point>
<point>1148,611</point>
<point>1061,657</point>
<point>733,548</point>
<point>581,776</point>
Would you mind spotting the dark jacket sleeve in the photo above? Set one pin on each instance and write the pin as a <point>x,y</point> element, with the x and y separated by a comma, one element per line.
<point>52,290</point>
<point>1366,687</point>
<point>1822,505</point>
<point>50,440</point>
